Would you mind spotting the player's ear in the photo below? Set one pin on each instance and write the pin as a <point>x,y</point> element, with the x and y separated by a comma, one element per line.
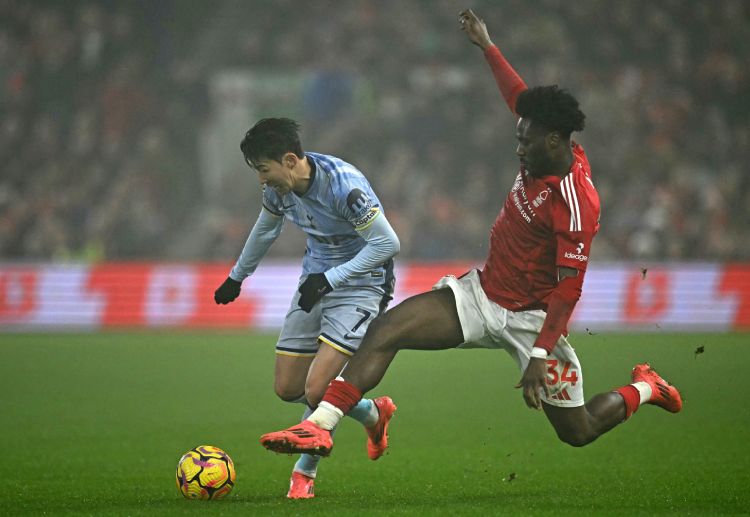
<point>553,140</point>
<point>290,160</point>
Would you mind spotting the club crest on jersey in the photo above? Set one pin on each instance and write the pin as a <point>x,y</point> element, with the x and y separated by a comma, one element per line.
<point>541,198</point>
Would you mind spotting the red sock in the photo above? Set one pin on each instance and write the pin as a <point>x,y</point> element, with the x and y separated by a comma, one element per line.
<point>632,399</point>
<point>343,395</point>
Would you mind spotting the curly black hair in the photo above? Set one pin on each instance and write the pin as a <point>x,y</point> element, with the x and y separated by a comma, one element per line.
<point>270,139</point>
<point>552,108</point>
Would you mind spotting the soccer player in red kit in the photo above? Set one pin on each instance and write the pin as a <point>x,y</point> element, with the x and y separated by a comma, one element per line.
<point>522,299</point>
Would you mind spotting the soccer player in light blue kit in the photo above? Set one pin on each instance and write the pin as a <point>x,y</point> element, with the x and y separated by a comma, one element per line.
<point>347,273</point>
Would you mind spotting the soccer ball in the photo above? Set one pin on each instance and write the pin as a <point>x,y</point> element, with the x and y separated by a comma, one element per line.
<point>205,472</point>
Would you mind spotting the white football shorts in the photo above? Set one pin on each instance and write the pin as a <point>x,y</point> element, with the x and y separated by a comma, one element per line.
<point>486,324</point>
<point>340,319</point>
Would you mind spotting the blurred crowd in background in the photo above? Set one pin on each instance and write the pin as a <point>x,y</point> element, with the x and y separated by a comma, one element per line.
<point>102,105</point>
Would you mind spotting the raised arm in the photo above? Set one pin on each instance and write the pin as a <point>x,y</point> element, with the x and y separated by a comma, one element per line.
<point>510,83</point>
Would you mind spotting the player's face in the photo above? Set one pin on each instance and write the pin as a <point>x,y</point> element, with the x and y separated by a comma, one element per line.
<point>532,148</point>
<point>276,175</point>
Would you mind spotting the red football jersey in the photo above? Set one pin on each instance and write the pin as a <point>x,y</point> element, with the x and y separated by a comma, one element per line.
<point>545,223</point>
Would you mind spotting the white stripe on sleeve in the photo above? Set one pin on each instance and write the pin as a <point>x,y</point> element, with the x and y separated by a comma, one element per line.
<point>564,191</point>
<point>575,203</point>
<point>571,198</point>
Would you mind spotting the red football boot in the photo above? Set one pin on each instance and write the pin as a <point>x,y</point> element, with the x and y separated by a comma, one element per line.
<point>304,437</point>
<point>301,486</point>
<point>663,394</point>
<point>377,435</point>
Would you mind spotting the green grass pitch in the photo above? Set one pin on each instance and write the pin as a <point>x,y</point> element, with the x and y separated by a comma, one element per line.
<point>94,424</point>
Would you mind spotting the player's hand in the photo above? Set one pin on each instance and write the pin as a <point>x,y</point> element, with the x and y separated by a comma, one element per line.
<point>533,380</point>
<point>228,291</point>
<point>314,288</point>
<point>475,29</point>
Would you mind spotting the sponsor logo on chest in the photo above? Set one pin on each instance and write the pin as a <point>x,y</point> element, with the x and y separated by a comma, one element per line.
<point>522,203</point>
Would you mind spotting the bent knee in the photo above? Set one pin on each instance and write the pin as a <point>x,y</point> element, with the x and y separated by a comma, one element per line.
<point>289,393</point>
<point>575,438</point>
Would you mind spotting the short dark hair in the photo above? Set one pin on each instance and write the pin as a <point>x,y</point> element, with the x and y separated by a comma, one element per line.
<point>552,108</point>
<point>270,139</point>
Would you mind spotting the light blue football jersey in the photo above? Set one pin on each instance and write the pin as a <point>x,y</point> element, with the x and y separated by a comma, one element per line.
<point>339,200</point>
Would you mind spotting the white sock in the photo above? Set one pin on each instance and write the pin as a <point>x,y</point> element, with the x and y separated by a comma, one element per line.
<point>327,416</point>
<point>644,390</point>
<point>307,464</point>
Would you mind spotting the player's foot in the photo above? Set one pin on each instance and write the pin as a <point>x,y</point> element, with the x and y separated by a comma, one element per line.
<point>377,435</point>
<point>663,394</point>
<point>301,486</point>
<point>304,437</point>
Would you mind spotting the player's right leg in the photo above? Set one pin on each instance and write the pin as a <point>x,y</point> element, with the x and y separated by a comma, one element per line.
<point>428,321</point>
<point>289,377</point>
<point>296,350</point>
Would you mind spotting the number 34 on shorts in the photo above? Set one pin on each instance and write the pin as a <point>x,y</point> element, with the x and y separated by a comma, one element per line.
<point>560,376</point>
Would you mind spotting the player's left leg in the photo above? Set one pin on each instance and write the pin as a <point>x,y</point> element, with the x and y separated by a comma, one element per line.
<point>374,415</point>
<point>575,422</point>
<point>582,425</point>
<point>579,426</point>
<point>326,365</point>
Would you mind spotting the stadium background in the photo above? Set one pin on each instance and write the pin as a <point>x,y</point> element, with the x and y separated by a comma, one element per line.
<point>121,122</point>
<point>124,201</point>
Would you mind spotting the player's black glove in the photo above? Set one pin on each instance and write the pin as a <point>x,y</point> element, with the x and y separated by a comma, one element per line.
<point>228,291</point>
<point>314,288</point>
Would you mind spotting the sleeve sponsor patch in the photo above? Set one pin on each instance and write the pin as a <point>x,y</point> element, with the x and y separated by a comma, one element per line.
<point>579,254</point>
<point>362,208</point>
<point>358,202</point>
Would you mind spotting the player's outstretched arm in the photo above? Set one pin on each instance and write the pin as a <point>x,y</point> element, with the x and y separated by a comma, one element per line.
<point>265,231</point>
<point>510,83</point>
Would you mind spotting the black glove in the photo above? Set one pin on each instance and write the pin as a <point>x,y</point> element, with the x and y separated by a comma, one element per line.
<point>228,291</point>
<point>314,288</point>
